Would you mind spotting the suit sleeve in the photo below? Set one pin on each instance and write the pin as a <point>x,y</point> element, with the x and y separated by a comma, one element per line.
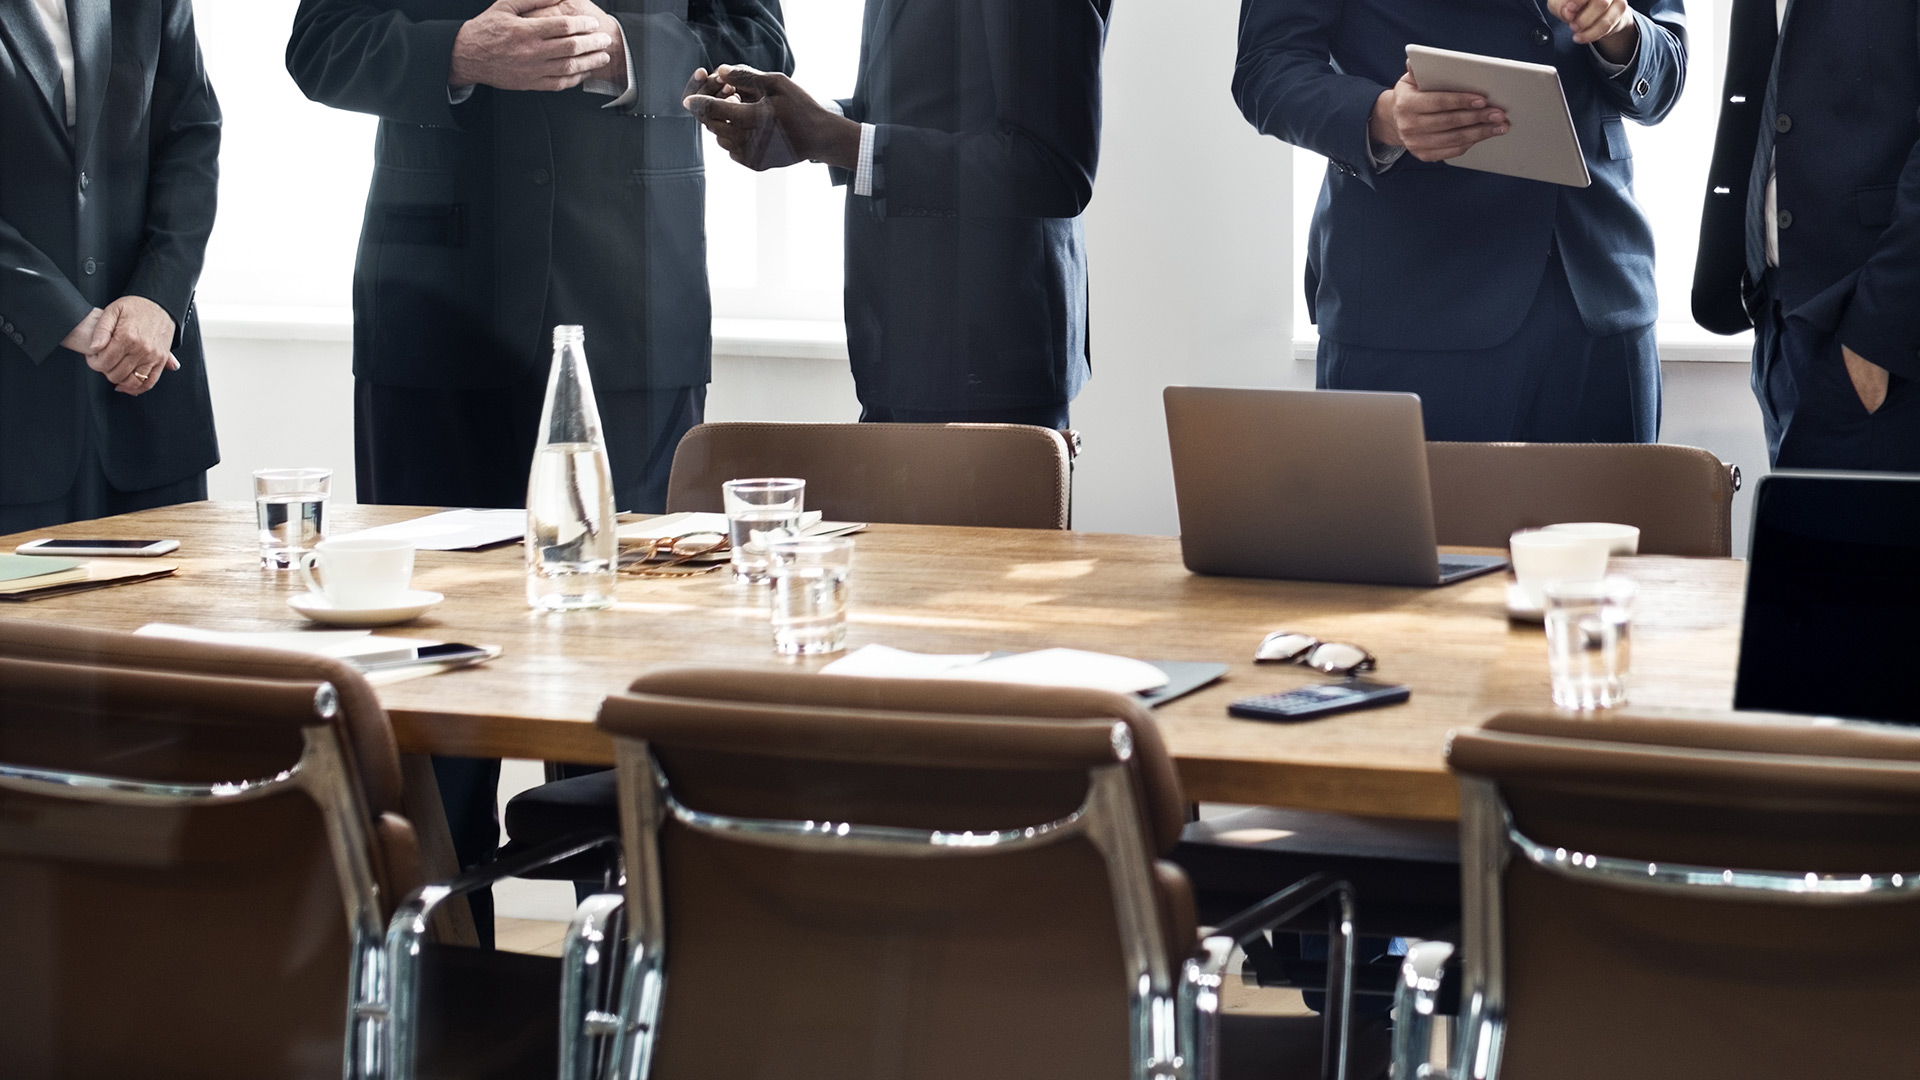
<point>669,48</point>
<point>42,305</point>
<point>1039,157</point>
<point>1286,85</point>
<point>1650,86</point>
<point>1882,322</point>
<point>183,177</point>
<point>364,56</point>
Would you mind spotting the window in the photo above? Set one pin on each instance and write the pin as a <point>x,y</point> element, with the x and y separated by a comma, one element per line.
<point>294,178</point>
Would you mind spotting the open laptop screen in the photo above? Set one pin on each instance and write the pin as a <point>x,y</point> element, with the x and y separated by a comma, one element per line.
<point>1832,622</point>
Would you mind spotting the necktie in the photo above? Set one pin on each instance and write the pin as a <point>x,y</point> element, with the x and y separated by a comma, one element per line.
<point>1762,170</point>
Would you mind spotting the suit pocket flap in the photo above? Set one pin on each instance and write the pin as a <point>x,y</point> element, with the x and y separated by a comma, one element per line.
<point>1615,130</point>
<point>1876,205</point>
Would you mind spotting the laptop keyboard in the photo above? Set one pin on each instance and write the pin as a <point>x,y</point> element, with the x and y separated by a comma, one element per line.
<point>1458,566</point>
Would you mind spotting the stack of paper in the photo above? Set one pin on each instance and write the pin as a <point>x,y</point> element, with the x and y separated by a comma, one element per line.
<point>688,524</point>
<point>455,530</point>
<point>356,647</point>
<point>1047,667</point>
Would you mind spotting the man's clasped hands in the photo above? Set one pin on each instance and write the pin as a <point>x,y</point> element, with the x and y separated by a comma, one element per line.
<point>129,341</point>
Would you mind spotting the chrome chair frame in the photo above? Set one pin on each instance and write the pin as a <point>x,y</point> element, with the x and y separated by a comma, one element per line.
<point>322,773</point>
<point>1489,840</point>
<point>1174,1013</point>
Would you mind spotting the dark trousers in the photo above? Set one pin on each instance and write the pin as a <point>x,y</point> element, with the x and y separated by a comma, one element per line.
<point>1813,415</point>
<point>1053,416</point>
<point>1553,381</point>
<point>454,446</point>
<point>93,496</point>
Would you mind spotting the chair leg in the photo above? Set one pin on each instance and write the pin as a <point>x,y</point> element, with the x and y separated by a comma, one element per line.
<point>1341,945</point>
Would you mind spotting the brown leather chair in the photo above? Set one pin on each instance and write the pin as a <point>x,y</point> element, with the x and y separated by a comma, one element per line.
<point>1683,896</point>
<point>1680,497</point>
<point>200,851</point>
<point>989,475</point>
<point>908,880</point>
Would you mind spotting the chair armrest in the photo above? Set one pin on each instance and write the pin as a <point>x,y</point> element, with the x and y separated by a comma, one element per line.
<point>407,932</point>
<point>1415,1003</point>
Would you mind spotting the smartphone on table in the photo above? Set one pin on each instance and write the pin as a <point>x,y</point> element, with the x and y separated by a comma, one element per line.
<point>1313,702</point>
<point>97,548</point>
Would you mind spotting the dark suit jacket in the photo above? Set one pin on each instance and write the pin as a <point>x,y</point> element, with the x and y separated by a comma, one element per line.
<point>1433,257</point>
<point>967,270</point>
<point>1848,169</point>
<point>122,204</point>
<point>491,221</point>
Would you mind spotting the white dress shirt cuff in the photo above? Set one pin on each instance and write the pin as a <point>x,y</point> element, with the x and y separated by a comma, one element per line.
<point>458,95</point>
<point>1383,157</point>
<point>863,175</point>
<point>607,86</point>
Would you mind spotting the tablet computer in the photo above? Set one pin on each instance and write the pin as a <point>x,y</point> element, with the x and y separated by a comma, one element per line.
<point>1540,143</point>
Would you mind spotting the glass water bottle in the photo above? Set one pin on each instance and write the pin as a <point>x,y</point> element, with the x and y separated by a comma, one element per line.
<point>572,546</point>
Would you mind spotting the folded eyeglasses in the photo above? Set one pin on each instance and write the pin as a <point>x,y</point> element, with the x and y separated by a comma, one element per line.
<point>1326,657</point>
<point>675,556</point>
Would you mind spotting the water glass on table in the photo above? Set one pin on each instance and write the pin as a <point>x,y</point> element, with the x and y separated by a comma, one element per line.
<point>761,511</point>
<point>291,508</point>
<point>1590,641</point>
<point>810,594</point>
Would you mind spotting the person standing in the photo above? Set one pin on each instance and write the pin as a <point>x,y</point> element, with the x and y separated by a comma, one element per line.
<point>1517,310</point>
<point>969,147</point>
<point>109,148</point>
<point>533,168</point>
<point>1811,229</point>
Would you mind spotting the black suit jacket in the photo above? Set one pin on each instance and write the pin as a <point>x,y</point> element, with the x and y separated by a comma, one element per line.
<point>1847,159</point>
<point>966,269</point>
<point>121,204</point>
<point>491,221</point>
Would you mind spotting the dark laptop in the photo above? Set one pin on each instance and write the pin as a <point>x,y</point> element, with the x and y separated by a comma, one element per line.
<point>1314,485</point>
<point>1832,624</point>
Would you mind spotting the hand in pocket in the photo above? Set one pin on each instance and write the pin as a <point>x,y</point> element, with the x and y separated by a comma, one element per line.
<point>1869,379</point>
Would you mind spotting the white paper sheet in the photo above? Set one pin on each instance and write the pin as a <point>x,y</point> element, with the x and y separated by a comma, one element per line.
<point>687,523</point>
<point>455,530</point>
<point>1045,667</point>
<point>336,644</point>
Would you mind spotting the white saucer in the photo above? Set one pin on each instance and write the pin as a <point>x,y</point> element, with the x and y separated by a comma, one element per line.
<point>411,605</point>
<point>1520,608</point>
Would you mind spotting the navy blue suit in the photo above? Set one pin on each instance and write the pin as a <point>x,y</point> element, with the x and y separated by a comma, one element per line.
<point>1440,262</point>
<point>966,289</point>
<point>1844,138</point>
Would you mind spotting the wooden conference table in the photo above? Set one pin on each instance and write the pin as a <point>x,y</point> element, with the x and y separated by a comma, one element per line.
<point>932,589</point>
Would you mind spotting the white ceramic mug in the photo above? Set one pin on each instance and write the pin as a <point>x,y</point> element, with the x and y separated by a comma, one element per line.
<point>1540,557</point>
<point>1621,539</point>
<point>359,573</point>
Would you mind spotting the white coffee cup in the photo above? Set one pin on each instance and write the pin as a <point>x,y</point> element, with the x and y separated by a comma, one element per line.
<point>359,573</point>
<point>1541,556</point>
<point>1621,539</point>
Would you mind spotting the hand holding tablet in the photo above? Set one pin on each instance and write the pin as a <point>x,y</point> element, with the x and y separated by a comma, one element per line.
<point>1540,143</point>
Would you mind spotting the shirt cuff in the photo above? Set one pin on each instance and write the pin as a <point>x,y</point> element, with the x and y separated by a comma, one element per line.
<point>458,95</point>
<point>607,86</point>
<point>1383,157</point>
<point>863,175</point>
<point>1612,70</point>
<point>833,107</point>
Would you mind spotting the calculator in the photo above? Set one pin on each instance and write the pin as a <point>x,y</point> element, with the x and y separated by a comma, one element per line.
<point>1312,702</point>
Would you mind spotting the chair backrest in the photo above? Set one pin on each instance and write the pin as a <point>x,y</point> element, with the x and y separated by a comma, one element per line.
<point>1680,896</point>
<point>198,855</point>
<point>988,475</point>
<point>1680,497</point>
<point>925,879</point>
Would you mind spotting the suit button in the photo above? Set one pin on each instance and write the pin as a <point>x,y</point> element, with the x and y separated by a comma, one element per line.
<point>1641,88</point>
<point>83,181</point>
<point>19,339</point>
<point>1784,219</point>
<point>1541,36</point>
<point>90,266</point>
<point>1783,123</point>
<point>540,176</point>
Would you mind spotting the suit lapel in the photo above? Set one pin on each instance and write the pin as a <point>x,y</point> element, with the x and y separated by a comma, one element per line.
<point>20,25</point>
<point>91,23</point>
<point>888,14</point>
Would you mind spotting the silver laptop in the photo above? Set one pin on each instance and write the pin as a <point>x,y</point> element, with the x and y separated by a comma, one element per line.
<point>1314,485</point>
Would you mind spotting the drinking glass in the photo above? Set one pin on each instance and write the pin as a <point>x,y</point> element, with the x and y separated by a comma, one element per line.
<point>810,594</point>
<point>291,508</point>
<point>1590,641</point>
<point>759,512</point>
